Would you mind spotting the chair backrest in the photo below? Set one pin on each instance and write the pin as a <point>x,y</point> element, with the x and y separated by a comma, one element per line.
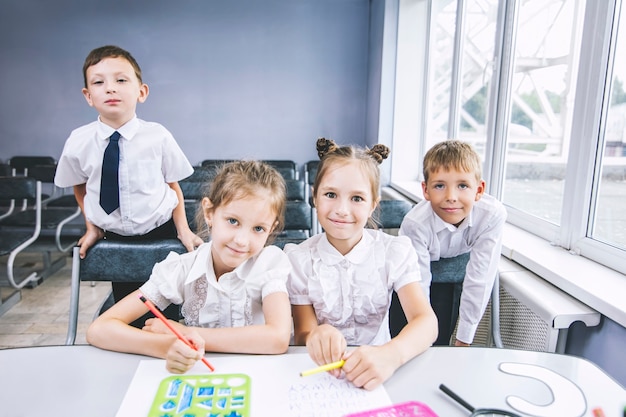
<point>21,164</point>
<point>298,223</point>
<point>5,170</point>
<point>193,185</point>
<point>390,213</point>
<point>288,169</point>
<point>19,188</point>
<point>298,216</point>
<point>310,171</point>
<point>215,163</point>
<point>126,261</point>
<point>119,261</point>
<point>43,172</point>
<point>296,190</point>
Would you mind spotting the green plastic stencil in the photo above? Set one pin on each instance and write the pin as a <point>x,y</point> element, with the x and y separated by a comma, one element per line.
<point>215,395</point>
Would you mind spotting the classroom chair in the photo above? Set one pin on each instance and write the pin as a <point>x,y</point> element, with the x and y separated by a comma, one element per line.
<point>390,213</point>
<point>15,240</point>
<point>298,223</point>
<point>288,169</point>
<point>215,163</point>
<point>193,187</point>
<point>110,260</point>
<point>296,190</point>
<point>21,164</point>
<point>445,295</point>
<point>310,172</point>
<point>5,170</point>
<point>58,210</point>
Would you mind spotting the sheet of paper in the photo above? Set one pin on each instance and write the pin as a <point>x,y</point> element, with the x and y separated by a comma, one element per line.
<point>277,389</point>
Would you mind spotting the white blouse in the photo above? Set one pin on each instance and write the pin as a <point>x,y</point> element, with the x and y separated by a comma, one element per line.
<point>352,292</point>
<point>235,300</point>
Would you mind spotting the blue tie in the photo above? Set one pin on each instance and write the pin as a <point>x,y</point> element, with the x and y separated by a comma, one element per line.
<point>109,185</point>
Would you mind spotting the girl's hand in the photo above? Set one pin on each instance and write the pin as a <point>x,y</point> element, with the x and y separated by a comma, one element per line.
<point>369,366</point>
<point>325,345</point>
<point>180,357</point>
<point>155,325</point>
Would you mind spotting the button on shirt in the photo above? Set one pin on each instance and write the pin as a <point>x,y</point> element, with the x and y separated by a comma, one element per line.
<point>480,234</point>
<point>235,300</point>
<point>149,159</point>
<point>352,292</point>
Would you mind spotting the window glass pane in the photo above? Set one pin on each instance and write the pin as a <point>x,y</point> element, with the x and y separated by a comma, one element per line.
<point>545,57</point>
<point>440,58</point>
<point>477,65</point>
<point>610,215</point>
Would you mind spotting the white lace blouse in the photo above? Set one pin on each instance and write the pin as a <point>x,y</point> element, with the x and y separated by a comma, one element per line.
<point>352,292</point>
<point>235,300</point>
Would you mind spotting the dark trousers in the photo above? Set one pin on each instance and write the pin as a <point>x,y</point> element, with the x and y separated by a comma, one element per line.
<point>122,289</point>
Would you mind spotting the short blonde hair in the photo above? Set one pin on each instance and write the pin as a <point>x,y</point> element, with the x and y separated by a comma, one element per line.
<point>452,154</point>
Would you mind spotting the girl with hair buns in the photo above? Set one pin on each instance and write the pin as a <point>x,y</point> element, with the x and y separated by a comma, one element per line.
<point>342,280</point>
<point>232,289</point>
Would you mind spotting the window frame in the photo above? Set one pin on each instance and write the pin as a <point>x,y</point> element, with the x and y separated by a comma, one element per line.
<point>593,84</point>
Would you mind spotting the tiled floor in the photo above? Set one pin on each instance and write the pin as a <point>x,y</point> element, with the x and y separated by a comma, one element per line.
<point>41,317</point>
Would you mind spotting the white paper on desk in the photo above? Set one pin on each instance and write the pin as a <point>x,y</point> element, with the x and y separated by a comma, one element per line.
<point>277,389</point>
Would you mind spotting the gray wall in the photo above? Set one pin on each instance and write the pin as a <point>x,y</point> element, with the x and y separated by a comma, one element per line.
<point>230,79</point>
<point>602,344</point>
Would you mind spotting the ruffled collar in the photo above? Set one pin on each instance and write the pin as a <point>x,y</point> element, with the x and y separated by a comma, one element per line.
<point>331,256</point>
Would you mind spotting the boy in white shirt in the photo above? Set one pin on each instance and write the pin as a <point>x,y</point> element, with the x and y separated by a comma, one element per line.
<point>457,217</point>
<point>147,200</point>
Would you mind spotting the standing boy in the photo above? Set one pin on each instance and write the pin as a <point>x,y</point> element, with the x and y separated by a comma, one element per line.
<point>457,217</point>
<point>124,170</point>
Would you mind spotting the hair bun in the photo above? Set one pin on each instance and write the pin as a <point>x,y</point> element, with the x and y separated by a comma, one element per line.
<point>379,152</point>
<point>325,146</point>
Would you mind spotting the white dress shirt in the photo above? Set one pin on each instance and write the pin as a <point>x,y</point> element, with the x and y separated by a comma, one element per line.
<point>353,292</point>
<point>235,300</point>
<point>480,234</point>
<point>149,159</point>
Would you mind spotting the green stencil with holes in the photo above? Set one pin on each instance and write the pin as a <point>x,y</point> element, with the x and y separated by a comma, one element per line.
<point>219,395</point>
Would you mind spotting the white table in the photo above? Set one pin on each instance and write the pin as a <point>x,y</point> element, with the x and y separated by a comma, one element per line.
<point>84,380</point>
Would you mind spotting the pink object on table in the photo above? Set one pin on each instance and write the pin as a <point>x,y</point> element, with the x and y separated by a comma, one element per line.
<point>407,409</point>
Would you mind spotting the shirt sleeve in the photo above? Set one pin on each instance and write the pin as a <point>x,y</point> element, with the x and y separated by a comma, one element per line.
<point>480,275</point>
<point>176,166</point>
<point>166,283</point>
<point>273,268</point>
<point>420,241</point>
<point>300,269</point>
<point>68,171</point>
<point>402,262</point>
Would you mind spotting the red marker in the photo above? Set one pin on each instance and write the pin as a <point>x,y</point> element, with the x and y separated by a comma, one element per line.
<point>160,315</point>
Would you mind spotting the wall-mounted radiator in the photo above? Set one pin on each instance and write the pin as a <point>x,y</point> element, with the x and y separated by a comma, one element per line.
<point>534,314</point>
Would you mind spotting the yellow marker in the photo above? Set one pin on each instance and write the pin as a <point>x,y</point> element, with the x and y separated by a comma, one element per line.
<point>323,368</point>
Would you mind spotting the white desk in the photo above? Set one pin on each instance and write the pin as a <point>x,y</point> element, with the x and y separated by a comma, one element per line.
<point>73,380</point>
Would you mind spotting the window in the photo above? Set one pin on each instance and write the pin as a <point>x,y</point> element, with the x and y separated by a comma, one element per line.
<point>608,223</point>
<point>536,86</point>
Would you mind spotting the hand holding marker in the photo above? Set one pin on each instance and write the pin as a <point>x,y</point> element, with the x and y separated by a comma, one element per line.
<point>323,368</point>
<point>160,315</point>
